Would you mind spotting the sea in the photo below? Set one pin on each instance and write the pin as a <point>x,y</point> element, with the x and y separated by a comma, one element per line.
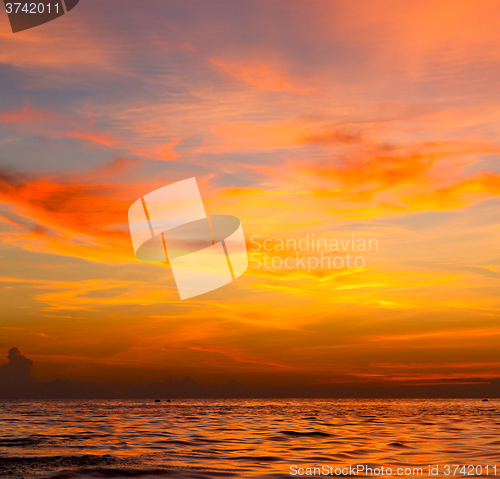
<point>254,438</point>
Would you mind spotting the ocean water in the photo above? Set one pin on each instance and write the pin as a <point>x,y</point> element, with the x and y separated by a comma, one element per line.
<point>248,438</point>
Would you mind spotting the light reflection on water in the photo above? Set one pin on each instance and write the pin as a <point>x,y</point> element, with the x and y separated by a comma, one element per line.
<point>241,438</point>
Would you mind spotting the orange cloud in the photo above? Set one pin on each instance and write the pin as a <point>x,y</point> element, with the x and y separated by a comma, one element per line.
<point>165,152</point>
<point>72,47</point>
<point>104,139</point>
<point>26,115</point>
<point>259,75</point>
<point>56,125</point>
<point>279,134</point>
<point>66,217</point>
<point>240,357</point>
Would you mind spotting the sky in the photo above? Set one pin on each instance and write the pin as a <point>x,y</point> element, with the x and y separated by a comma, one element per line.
<point>339,120</point>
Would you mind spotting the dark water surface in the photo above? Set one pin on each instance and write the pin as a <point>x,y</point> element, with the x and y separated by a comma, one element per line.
<point>246,438</point>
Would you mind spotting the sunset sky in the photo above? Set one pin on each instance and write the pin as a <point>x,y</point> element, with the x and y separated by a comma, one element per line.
<point>378,119</point>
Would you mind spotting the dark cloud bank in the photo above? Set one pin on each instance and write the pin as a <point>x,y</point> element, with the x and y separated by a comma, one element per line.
<point>16,382</point>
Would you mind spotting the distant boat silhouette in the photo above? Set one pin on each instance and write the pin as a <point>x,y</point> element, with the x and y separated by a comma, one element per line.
<point>484,400</point>
<point>157,400</point>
